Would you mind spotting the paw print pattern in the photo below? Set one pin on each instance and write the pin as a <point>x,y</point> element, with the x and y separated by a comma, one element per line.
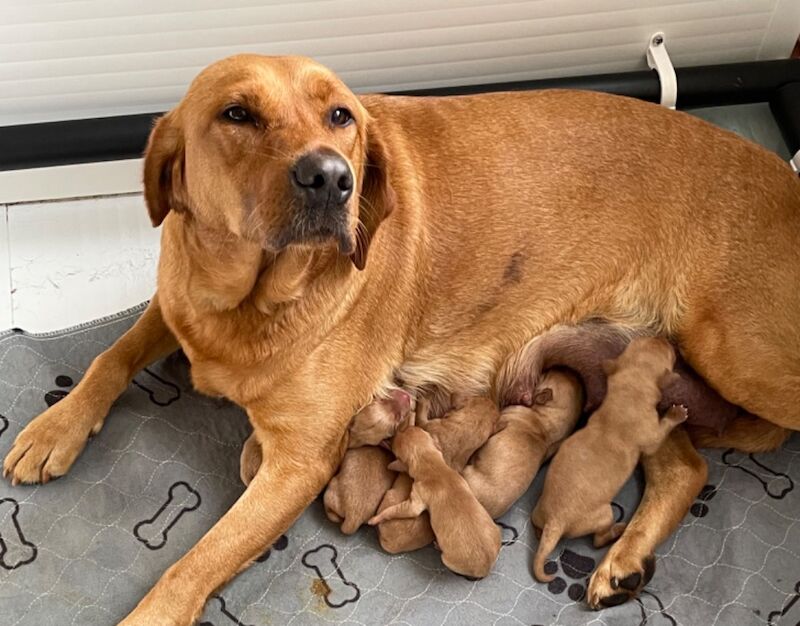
<point>574,566</point>
<point>280,544</point>
<point>3,424</point>
<point>63,381</point>
<point>700,508</point>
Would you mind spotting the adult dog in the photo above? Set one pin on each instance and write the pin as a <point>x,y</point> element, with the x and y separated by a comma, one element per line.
<point>317,245</point>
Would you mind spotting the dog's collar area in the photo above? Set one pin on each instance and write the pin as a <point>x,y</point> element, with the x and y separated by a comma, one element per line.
<point>795,162</point>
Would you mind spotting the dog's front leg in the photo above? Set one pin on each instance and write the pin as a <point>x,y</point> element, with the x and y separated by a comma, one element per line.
<point>302,447</point>
<point>674,475</point>
<point>49,445</point>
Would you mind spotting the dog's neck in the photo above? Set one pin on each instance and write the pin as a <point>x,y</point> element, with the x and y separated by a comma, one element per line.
<point>226,271</point>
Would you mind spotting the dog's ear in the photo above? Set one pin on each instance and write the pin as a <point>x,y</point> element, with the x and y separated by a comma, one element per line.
<point>609,367</point>
<point>164,170</point>
<point>543,396</point>
<point>377,199</point>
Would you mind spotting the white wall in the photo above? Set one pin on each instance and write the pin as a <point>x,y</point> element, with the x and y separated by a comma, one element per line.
<point>75,59</point>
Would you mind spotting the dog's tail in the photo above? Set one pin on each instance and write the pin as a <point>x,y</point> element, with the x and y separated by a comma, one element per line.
<point>551,534</point>
<point>746,433</point>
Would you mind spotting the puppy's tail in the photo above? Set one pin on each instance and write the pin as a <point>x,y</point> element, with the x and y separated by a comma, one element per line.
<point>547,543</point>
<point>746,433</point>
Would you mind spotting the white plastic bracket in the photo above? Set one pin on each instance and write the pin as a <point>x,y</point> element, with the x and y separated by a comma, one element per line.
<point>658,60</point>
<point>795,162</point>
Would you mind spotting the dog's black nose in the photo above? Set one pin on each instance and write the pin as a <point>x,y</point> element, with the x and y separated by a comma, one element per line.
<point>323,179</point>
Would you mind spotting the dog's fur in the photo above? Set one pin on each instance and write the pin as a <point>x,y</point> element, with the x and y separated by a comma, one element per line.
<point>504,467</point>
<point>463,429</point>
<point>478,223</point>
<point>465,533</point>
<point>353,495</point>
<point>591,466</point>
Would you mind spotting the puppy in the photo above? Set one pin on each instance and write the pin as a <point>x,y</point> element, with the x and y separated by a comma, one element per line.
<point>467,536</point>
<point>505,466</point>
<point>593,464</point>
<point>464,429</point>
<point>353,495</point>
<point>380,419</point>
<point>403,534</point>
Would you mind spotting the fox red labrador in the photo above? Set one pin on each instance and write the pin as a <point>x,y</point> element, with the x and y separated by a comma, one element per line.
<point>319,247</point>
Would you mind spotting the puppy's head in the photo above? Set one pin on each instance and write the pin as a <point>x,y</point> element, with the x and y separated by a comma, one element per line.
<point>651,358</point>
<point>409,443</point>
<point>380,419</point>
<point>275,150</point>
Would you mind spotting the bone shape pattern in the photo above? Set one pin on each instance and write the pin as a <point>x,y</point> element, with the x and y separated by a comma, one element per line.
<point>15,549</point>
<point>161,391</point>
<point>181,499</point>
<point>776,484</point>
<point>219,615</point>
<point>789,613</point>
<point>339,591</point>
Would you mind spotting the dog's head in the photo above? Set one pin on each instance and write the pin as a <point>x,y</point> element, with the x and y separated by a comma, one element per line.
<point>275,150</point>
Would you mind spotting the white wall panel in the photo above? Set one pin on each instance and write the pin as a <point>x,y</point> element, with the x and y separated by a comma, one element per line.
<point>76,58</point>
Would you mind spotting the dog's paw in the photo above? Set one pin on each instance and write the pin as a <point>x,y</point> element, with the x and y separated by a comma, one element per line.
<point>49,445</point>
<point>619,578</point>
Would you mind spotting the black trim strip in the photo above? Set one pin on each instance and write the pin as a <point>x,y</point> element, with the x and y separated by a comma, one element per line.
<point>124,137</point>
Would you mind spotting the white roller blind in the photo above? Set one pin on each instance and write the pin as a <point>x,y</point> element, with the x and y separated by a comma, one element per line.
<point>74,59</point>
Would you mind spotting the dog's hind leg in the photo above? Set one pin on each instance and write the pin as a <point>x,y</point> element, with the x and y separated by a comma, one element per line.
<point>48,446</point>
<point>674,476</point>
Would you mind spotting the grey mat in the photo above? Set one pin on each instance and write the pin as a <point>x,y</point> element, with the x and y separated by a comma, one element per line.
<point>83,549</point>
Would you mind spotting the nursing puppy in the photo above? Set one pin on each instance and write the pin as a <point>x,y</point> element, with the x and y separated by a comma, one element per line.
<point>505,466</point>
<point>403,534</point>
<point>594,463</point>
<point>464,429</point>
<point>466,534</point>
<point>380,419</point>
<point>353,495</point>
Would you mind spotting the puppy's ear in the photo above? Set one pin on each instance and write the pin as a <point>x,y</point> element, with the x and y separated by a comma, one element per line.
<point>609,367</point>
<point>164,170</point>
<point>377,199</point>
<point>543,396</point>
<point>397,466</point>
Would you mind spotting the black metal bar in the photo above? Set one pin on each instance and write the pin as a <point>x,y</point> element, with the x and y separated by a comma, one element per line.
<point>111,138</point>
<point>785,106</point>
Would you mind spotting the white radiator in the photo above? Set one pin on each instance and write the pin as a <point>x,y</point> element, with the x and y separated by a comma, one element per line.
<point>72,59</point>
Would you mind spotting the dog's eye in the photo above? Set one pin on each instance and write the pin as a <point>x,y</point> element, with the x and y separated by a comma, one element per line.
<point>237,114</point>
<point>341,116</point>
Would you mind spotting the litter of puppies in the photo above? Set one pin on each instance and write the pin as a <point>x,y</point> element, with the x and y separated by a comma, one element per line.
<point>421,478</point>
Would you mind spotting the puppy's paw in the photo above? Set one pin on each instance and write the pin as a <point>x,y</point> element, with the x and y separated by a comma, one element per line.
<point>677,413</point>
<point>619,578</point>
<point>49,445</point>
